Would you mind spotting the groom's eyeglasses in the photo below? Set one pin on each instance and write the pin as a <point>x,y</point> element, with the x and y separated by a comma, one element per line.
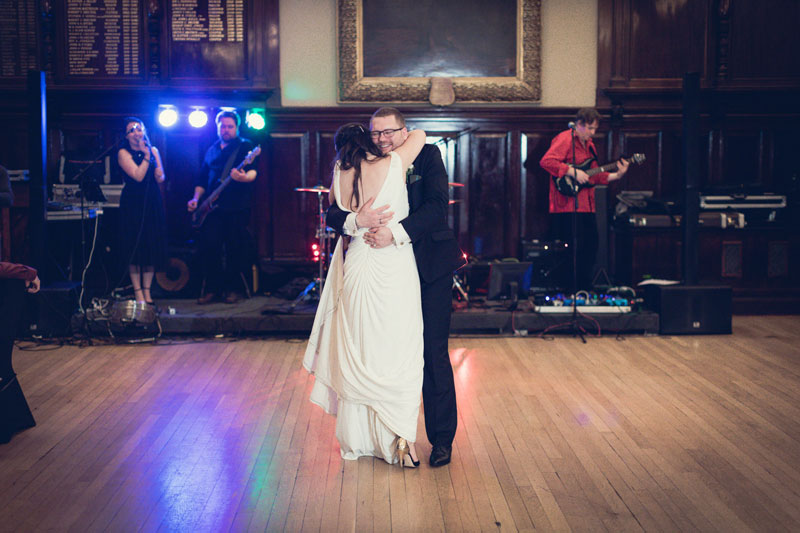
<point>384,133</point>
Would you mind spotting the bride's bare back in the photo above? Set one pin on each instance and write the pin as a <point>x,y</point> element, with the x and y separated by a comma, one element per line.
<point>373,175</point>
<point>374,171</point>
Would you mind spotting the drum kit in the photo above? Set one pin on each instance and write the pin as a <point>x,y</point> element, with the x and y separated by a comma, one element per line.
<point>325,237</point>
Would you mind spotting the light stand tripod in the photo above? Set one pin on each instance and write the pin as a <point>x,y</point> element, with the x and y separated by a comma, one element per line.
<point>316,285</point>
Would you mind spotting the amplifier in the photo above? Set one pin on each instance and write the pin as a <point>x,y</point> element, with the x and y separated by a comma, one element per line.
<point>52,308</point>
<point>691,309</point>
<point>727,219</point>
<point>552,261</point>
<point>641,220</point>
<point>536,249</point>
<point>744,201</point>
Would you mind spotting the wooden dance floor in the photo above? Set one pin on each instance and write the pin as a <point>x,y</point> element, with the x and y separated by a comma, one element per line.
<point>618,434</point>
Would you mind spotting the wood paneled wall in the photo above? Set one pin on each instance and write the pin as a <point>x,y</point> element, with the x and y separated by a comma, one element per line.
<point>645,48</point>
<point>505,195</point>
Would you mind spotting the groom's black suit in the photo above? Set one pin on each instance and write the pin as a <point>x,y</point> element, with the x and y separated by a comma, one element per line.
<point>437,255</point>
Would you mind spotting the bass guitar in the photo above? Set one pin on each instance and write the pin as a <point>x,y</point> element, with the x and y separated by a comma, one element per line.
<point>569,186</point>
<point>208,205</point>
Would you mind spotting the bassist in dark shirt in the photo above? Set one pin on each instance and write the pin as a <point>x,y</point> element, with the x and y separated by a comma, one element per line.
<point>224,231</point>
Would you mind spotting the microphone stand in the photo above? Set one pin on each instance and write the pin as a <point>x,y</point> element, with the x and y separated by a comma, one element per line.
<point>446,140</point>
<point>79,178</point>
<point>574,322</point>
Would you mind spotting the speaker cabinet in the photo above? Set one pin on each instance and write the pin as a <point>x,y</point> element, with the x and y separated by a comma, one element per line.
<point>691,309</point>
<point>52,308</point>
<point>182,276</point>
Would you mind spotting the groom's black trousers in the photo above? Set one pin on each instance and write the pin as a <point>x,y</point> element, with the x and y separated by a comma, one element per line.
<point>438,387</point>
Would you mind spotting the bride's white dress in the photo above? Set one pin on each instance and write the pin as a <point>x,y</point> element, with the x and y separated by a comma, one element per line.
<point>365,348</point>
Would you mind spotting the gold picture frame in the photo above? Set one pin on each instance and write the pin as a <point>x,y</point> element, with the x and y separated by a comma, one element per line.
<point>355,88</point>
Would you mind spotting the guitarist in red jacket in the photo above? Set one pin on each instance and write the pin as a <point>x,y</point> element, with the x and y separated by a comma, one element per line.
<point>224,230</point>
<point>557,162</point>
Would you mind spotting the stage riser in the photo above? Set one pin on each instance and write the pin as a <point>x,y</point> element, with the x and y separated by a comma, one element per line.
<point>489,321</point>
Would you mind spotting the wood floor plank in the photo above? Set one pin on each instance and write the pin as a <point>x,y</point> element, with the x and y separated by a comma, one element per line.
<point>697,433</point>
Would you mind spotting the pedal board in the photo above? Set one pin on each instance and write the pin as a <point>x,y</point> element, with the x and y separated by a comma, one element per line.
<point>585,309</point>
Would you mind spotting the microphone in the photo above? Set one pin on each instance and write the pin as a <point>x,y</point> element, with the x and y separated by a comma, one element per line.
<point>571,125</point>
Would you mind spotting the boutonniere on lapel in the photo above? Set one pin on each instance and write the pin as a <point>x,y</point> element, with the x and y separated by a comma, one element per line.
<point>410,176</point>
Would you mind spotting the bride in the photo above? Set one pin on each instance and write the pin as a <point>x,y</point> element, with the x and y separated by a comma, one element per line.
<point>365,348</point>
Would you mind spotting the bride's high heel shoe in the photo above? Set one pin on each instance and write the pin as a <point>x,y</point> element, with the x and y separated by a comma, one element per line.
<point>403,453</point>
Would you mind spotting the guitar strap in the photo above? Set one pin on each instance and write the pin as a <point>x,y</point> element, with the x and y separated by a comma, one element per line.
<point>594,153</point>
<point>228,165</point>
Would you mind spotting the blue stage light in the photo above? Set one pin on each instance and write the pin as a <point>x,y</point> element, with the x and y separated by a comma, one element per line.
<point>198,118</point>
<point>167,115</point>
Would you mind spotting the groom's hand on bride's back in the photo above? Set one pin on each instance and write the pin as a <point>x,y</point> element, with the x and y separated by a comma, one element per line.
<point>379,237</point>
<point>367,217</point>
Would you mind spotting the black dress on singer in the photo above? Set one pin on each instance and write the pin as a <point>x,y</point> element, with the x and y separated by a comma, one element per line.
<point>142,223</point>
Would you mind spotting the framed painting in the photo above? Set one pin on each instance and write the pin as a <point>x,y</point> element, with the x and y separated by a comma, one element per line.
<point>396,50</point>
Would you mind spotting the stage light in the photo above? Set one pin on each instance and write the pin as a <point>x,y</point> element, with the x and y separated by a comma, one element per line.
<point>256,119</point>
<point>167,115</point>
<point>198,117</point>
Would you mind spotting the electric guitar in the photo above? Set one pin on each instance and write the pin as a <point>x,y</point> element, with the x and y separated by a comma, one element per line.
<point>204,209</point>
<point>569,186</point>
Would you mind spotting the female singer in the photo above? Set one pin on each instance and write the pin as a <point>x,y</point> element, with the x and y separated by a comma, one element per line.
<point>143,241</point>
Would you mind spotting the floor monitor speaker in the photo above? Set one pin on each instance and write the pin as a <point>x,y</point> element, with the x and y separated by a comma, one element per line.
<point>691,309</point>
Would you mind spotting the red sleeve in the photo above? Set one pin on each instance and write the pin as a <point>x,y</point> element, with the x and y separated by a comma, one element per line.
<point>17,271</point>
<point>554,160</point>
<point>599,179</point>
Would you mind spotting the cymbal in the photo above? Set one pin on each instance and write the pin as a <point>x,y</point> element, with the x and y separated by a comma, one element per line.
<point>451,202</point>
<point>319,189</point>
<point>454,184</point>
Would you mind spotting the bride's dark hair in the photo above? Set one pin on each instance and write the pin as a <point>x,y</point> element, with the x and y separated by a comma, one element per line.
<point>352,143</point>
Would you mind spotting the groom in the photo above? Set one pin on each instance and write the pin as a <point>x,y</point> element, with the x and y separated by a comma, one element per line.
<point>437,255</point>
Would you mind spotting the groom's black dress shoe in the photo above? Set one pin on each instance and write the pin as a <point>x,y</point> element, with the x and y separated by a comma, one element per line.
<point>440,455</point>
